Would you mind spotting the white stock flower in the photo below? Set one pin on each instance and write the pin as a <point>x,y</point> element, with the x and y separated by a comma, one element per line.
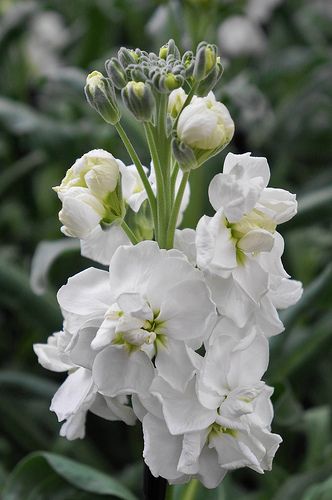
<point>78,394</point>
<point>220,422</point>
<point>205,124</point>
<point>96,170</point>
<point>241,36</point>
<point>151,303</point>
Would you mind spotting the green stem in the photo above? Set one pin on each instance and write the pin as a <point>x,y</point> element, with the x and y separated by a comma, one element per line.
<point>174,176</point>
<point>161,205</point>
<point>191,490</point>
<point>164,152</point>
<point>137,162</point>
<point>169,492</point>
<point>176,210</point>
<point>129,233</point>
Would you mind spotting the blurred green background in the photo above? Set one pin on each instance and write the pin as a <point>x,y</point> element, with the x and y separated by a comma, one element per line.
<point>277,85</point>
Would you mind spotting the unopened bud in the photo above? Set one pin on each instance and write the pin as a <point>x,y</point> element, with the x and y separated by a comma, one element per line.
<point>127,56</point>
<point>188,62</point>
<point>176,101</point>
<point>184,155</point>
<point>165,83</point>
<point>101,96</point>
<point>210,81</point>
<point>116,73</point>
<point>206,59</point>
<point>139,99</point>
<point>168,49</point>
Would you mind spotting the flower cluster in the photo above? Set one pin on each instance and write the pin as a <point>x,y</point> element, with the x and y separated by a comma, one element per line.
<point>175,332</point>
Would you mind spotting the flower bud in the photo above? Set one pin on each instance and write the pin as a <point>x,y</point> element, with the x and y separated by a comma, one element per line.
<point>100,95</point>
<point>184,155</point>
<point>205,125</point>
<point>168,49</point>
<point>188,62</point>
<point>127,56</point>
<point>139,99</point>
<point>206,59</point>
<point>116,73</point>
<point>91,189</point>
<point>210,81</point>
<point>165,83</point>
<point>176,101</point>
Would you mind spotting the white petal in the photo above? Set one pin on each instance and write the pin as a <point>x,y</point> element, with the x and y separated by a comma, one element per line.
<point>192,445</point>
<point>74,427</point>
<point>131,267</point>
<point>101,244</point>
<point>210,473</point>
<point>188,311</point>
<point>115,371</point>
<point>254,166</point>
<point>252,279</point>
<point>112,409</point>
<point>249,361</point>
<point>86,293</point>
<point>257,240</point>
<point>287,294</point>
<point>161,450</point>
<point>184,241</point>
<point>182,410</point>
<point>74,394</point>
<point>51,358</point>
<point>81,352</point>
<point>174,364</point>
<point>279,204</point>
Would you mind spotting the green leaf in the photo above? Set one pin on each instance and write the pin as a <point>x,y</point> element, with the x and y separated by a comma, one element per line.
<point>42,471</point>
<point>310,295</point>
<point>317,422</point>
<point>295,487</point>
<point>287,409</point>
<point>321,491</point>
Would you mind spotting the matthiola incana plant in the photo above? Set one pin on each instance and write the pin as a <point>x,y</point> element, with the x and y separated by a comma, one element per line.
<point>173,331</point>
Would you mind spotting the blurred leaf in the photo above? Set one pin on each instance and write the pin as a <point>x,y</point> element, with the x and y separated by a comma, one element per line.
<point>317,423</point>
<point>311,293</point>
<point>295,487</point>
<point>22,167</point>
<point>27,382</point>
<point>15,282</point>
<point>321,491</point>
<point>300,352</point>
<point>45,470</point>
<point>313,207</point>
<point>287,409</point>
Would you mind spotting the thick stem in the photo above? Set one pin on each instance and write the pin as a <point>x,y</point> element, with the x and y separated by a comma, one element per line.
<point>137,162</point>
<point>191,490</point>
<point>154,488</point>
<point>176,210</point>
<point>161,205</point>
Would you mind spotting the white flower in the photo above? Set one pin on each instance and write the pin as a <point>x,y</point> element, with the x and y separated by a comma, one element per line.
<point>96,170</point>
<point>78,394</point>
<point>151,303</point>
<point>220,422</point>
<point>205,124</point>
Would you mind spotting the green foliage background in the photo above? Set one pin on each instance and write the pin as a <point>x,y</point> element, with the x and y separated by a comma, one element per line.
<point>281,102</point>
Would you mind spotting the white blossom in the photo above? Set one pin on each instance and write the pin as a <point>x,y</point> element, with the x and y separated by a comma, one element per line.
<point>205,124</point>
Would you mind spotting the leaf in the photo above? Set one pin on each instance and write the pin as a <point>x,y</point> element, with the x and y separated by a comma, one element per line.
<point>287,409</point>
<point>15,282</point>
<point>321,491</point>
<point>295,487</point>
<point>312,207</point>
<point>311,293</point>
<point>317,422</point>
<point>43,470</point>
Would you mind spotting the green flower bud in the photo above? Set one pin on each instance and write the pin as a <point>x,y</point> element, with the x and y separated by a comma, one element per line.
<point>100,95</point>
<point>139,99</point>
<point>168,49</point>
<point>188,62</point>
<point>165,83</point>
<point>210,81</point>
<point>127,56</point>
<point>184,155</point>
<point>116,73</point>
<point>206,59</point>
